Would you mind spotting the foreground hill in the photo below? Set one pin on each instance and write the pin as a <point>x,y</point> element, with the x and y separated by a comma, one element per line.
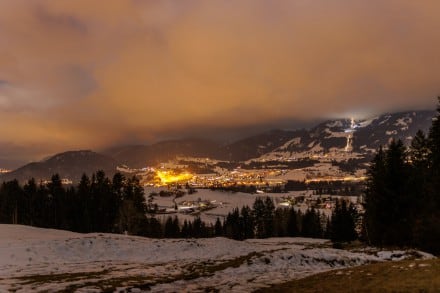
<point>41,260</point>
<point>401,276</point>
<point>70,165</point>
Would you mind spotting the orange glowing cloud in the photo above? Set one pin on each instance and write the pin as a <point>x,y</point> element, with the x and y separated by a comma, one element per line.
<point>90,74</point>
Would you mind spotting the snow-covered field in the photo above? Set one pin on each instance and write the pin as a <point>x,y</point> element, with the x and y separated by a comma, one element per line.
<point>35,259</point>
<point>223,201</point>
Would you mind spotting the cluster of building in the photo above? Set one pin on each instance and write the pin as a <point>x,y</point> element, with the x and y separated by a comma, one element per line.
<point>257,178</point>
<point>191,206</point>
<point>172,175</point>
<point>64,181</point>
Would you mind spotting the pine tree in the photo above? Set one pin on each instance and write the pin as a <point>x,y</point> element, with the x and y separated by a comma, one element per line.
<point>280,223</point>
<point>32,205</point>
<point>233,225</point>
<point>168,229</point>
<point>11,202</point>
<point>434,144</point>
<point>218,228</point>
<point>292,223</point>
<point>258,215</point>
<point>375,210</point>
<point>311,224</point>
<point>247,223</point>
<point>268,217</point>
<point>343,222</point>
<point>133,208</point>
<point>86,204</point>
<point>427,226</point>
<point>185,230</point>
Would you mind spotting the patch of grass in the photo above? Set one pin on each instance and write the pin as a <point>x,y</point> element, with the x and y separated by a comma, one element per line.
<point>64,277</point>
<point>103,280</point>
<point>393,276</point>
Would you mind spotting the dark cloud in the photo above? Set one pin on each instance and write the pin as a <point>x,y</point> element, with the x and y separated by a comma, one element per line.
<point>87,74</point>
<point>60,20</point>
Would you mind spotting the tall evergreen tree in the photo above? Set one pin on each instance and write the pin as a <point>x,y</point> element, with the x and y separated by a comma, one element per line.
<point>428,223</point>
<point>258,215</point>
<point>343,222</point>
<point>247,223</point>
<point>33,207</point>
<point>375,210</point>
<point>292,223</point>
<point>218,228</point>
<point>233,225</point>
<point>311,224</point>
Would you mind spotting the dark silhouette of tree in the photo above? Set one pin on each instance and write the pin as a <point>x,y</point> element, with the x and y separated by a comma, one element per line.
<point>172,229</point>
<point>292,223</point>
<point>247,223</point>
<point>343,222</point>
<point>375,211</point>
<point>233,225</point>
<point>311,224</point>
<point>280,222</point>
<point>218,228</point>
<point>388,200</point>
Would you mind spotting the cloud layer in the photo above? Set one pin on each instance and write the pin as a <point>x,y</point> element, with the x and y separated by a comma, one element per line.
<point>85,73</point>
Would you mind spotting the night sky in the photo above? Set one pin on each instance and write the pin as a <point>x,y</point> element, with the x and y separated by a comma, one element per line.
<point>78,74</point>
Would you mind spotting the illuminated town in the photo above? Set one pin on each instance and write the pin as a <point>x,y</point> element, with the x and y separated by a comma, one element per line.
<point>174,188</point>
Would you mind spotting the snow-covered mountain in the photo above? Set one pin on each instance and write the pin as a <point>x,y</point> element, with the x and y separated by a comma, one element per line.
<point>342,139</point>
<point>71,164</point>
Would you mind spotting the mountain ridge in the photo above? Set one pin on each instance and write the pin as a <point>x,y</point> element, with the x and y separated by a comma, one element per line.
<point>335,139</point>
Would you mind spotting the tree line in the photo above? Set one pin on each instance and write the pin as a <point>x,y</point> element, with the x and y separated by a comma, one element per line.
<point>97,204</point>
<point>402,198</point>
<point>264,220</point>
<point>118,205</point>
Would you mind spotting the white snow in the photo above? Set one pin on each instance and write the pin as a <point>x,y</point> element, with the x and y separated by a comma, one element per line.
<point>41,260</point>
<point>403,122</point>
<point>367,122</point>
<point>291,142</point>
<point>386,118</point>
<point>336,123</point>
<point>391,132</point>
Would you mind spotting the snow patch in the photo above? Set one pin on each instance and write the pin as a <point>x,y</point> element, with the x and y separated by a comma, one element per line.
<point>90,261</point>
<point>391,132</point>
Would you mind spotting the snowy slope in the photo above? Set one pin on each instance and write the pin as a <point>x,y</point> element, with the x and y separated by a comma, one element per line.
<point>343,139</point>
<point>36,260</point>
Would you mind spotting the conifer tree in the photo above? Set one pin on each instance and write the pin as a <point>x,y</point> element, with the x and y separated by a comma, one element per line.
<point>218,228</point>
<point>258,214</point>
<point>247,223</point>
<point>33,206</point>
<point>311,224</point>
<point>292,223</point>
<point>343,222</point>
<point>375,210</point>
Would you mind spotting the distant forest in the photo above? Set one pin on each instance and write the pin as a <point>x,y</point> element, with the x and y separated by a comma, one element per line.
<point>401,201</point>
<point>99,204</point>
